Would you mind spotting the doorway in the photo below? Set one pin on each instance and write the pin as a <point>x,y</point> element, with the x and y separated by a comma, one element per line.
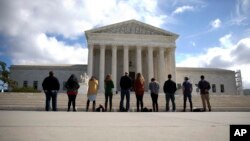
<point>132,76</point>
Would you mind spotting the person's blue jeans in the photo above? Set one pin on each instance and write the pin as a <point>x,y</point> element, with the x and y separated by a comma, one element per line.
<point>51,94</point>
<point>189,97</point>
<point>170,96</point>
<point>125,92</point>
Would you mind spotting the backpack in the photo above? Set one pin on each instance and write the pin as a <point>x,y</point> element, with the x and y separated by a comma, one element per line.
<point>187,87</point>
<point>146,110</point>
<point>100,109</point>
<point>198,110</point>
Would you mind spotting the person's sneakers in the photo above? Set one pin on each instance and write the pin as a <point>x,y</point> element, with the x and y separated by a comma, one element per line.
<point>183,110</point>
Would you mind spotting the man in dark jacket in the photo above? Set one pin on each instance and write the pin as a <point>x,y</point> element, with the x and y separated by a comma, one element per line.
<point>125,84</point>
<point>187,89</point>
<point>51,86</point>
<point>169,89</point>
<point>204,87</point>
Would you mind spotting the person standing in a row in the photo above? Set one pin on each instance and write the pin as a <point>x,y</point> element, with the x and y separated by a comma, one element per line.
<point>204,87</point>
<point>187,93</point>
<point>51,86</point>
<point>108,85</point>
<point>92,92</point>
<point>169,89</point>
<point>139,90</point>
<point>125,84</point>
<point>154,90</point>
<point>72,87</point>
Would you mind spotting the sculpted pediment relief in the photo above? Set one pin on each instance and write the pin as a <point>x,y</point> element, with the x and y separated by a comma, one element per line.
<point>132,27</point>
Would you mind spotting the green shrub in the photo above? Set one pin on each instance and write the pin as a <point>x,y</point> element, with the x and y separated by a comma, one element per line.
<point>26,89</point>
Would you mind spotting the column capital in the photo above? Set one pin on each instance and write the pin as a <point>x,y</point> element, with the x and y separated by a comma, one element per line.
<point>102,46</point>
<point>138,47</point>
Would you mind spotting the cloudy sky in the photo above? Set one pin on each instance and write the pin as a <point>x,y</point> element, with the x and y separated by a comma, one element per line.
<point>214,33</point>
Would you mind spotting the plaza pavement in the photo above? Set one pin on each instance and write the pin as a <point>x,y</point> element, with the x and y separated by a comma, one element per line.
<point>116,126</point>
<point>22,118</point>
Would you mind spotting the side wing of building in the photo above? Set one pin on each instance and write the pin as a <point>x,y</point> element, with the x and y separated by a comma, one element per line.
<point>33,75</point>
<point>221,81</point>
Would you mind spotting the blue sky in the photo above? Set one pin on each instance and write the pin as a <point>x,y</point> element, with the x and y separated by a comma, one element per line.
<point>213,33</point>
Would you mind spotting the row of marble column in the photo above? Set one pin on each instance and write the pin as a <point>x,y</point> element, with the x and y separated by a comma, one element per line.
<point>162,67</point>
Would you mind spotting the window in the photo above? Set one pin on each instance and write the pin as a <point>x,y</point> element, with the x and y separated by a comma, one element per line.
<point>64,84</point>
<point>197,89</point>
<point>222,90</point>
<point>213,88</point>
<point>130,63</point>
<point>179,86</point>
<point>35,85</point>
<point>25,84</point>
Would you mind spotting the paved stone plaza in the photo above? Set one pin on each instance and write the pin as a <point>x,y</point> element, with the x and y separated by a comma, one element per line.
<point>31,123</point>
<point>89,126</point>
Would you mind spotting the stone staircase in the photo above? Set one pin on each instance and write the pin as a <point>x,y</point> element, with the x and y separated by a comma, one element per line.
<point>36,102</point>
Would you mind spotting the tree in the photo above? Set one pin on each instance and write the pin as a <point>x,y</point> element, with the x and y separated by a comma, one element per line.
<point>4,76</point>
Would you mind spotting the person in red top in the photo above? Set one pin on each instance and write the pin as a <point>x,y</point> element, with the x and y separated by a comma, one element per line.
<point>139,90</point>
<point>72,86</point>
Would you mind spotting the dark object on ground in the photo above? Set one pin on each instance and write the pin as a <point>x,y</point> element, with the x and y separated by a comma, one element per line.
<point>198,110</point>
<point>146,110</point>
<point>100,109</point>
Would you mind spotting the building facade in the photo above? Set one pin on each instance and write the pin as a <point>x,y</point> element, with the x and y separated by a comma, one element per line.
<point>132,47</point>
<point>221,81</point>
<point>33,75</point>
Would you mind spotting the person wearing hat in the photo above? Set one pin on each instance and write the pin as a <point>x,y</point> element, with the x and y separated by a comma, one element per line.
<point>187,93</point>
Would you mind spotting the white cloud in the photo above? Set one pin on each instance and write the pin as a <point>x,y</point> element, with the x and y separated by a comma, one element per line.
<point>48,50</point>
<point>215,23</point>
<point>225,41</point>
<point>183,9</point>
<point>241,14</point>
<point>227,55</point>
<point>193,43</point>
<point>33,27</point>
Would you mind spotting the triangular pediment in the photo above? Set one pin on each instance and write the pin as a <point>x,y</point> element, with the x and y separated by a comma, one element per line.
<point>132,27</point>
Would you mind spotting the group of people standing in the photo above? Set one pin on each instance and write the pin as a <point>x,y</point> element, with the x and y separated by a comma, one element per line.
<point>51,86</point>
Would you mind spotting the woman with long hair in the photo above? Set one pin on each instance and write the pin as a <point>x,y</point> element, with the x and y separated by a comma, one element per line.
<point>72,87</point>
<point>92,92</point>
<point>108,85</point>
<point>139,90</point>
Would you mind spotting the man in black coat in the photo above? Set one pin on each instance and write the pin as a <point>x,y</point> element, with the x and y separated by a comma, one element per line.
<point>125,84</point>
<point>51,86</point>
<point>169,89</point>
<point>204,87</point>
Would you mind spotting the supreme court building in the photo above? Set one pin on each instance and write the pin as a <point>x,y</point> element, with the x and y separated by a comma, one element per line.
<point>130,46</point>
<point>133,47</point>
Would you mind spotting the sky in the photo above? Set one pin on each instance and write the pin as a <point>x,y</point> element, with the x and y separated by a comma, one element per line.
<point>212,33</point>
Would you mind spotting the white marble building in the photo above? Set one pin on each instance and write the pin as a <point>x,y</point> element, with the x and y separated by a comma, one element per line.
<point>129,46</point>
<point>133,47</point>
<point>33,75</point>
<point>221,81</point>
